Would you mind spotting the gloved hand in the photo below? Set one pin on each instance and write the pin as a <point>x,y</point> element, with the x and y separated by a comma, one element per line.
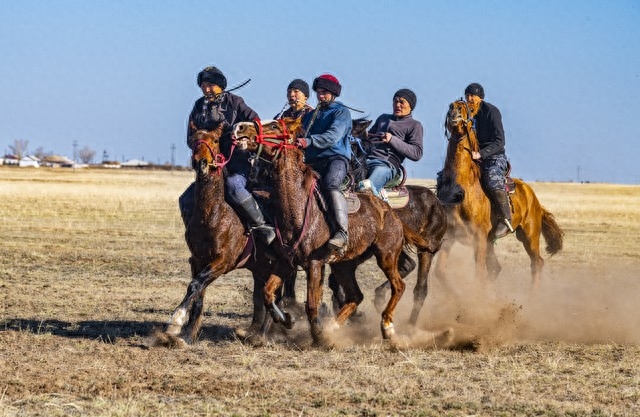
<point>301,143</point>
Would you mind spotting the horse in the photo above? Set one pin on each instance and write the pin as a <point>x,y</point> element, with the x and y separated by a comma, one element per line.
<point>214,235</point>
<point>303,231</point>
<point>424,214</point>
<point>469,209</point>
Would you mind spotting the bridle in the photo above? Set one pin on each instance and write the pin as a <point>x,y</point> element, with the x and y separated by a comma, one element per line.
<point>469,127</point>
<point>281,142</point>
<point>219,161</point>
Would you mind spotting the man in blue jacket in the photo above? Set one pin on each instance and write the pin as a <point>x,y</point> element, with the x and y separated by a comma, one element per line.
<point>327,149</point>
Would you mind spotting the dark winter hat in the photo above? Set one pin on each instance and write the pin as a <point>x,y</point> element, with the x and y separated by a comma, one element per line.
<point>474,89</point>
<point>408,95</point>
<point>329,83</point>
<point>212,75</point>
<point>301,85</point>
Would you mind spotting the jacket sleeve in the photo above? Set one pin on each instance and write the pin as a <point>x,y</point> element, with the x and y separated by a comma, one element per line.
<point>245,113</point>
<point>337,130</point>
<point>411,146</point>
<point>191,126</point>
<point>496,142</point>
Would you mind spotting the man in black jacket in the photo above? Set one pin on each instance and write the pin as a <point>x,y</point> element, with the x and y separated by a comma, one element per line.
<point>214,107</point>
<point>492,157</point>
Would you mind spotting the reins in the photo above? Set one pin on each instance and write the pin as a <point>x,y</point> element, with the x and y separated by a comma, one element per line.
<point>277,141</point>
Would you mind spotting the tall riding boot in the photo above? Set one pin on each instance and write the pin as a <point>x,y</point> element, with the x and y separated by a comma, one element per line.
<point>501,200</point>
<point>251,211</point>
<point>340,237</point>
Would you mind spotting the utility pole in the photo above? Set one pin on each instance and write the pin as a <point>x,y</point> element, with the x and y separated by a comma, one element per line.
<point>75,151</point>
<point>173,158</point>
<point>578,172</point>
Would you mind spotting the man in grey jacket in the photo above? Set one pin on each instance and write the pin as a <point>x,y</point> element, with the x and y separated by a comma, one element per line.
<point>396,136</point>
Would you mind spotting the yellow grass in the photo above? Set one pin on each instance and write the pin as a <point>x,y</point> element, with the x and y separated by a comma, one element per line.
<point>93,261</point>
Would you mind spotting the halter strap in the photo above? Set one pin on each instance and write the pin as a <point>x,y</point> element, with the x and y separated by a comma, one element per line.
<point>219,161</point>
<point>278,141</point>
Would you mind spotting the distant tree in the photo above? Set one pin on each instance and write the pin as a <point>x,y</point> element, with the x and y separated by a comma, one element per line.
<point>19,147</point>
<point>86,155</point>
<point>40,153</point>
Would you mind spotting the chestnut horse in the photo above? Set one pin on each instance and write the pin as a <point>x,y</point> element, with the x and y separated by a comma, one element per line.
<point>424,214</point>
<point>303,230</point>
<point>217,239</point>
<point>469,208</point>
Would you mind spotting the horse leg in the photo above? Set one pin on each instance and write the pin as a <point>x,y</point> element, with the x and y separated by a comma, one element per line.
<point>194,292</point>
<point>345,275</point>
<point>314,297</point>
<point>289,294</point>
<point>388,263</point>
<point>531,243</point>
<point>421,289</point>
<point>493,265</point>
<point>480,256</point>
<point>405,266</point>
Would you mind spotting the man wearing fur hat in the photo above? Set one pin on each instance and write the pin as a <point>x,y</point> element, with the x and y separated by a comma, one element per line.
<point>492,157</point>
<point>219,106</point>
<point>400,137</point>
<point>297,96</point>
<point>327,149</point>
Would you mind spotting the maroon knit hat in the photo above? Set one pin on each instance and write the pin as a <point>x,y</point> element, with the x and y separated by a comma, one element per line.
<point>329,83</point>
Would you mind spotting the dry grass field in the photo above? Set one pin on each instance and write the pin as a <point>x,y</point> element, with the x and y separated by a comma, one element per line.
<point>93,261</point>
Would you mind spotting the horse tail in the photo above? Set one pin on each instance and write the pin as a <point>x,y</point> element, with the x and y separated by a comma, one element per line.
<point>449,192</point>
<point>413,239</point>
<point>552,233</point>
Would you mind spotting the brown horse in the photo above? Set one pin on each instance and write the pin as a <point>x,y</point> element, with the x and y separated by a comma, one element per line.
<point>424,214</point>
<point>469,208</point>
<point>218,241</point>
<point>303,230</point>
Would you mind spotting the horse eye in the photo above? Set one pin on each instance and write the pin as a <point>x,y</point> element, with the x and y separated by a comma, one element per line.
<point>274,125</point>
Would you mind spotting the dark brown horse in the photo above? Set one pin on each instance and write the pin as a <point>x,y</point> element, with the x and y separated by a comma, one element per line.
<point>469,208</point>
<point>303,229</point>
<point>424,214</point>
<point>217,239</point>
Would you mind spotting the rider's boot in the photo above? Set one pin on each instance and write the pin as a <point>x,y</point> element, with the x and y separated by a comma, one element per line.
<point>503,227</point>
<point>251,211</point>
<point>340,238</point>
<point>406,264</point>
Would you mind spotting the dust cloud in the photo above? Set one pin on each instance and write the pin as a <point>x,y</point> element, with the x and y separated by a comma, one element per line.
<point>588,304</point>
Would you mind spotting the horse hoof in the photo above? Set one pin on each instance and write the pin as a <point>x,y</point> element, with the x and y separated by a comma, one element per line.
<point>171,341</point>
<point>289,321</point>
<point>388,331</point>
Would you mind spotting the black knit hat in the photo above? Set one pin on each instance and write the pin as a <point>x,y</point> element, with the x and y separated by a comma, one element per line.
<point>408,95</point>
<point>212,75</point>
<point>301,85</point>
<point>474,89</point>
<point>329,83</point>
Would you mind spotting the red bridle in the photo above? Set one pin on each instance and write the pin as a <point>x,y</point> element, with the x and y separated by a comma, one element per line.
<point>272,140</point>
<point>219,161</point>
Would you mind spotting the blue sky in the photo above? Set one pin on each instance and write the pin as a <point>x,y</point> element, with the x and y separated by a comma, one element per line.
<point>119,76</point>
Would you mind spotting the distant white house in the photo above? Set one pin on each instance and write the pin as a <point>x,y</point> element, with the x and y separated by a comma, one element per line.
<point>56,161</point>
<point>134,163</point>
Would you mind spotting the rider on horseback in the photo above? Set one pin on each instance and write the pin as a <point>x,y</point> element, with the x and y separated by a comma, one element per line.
<point>327,150</point>
<point>214,107</point>
<point>492,158</point>
<point>400,137</point>
<point>297,96</point>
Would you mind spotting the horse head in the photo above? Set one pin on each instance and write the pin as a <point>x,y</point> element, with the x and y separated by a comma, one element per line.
<point>267,138</point>
<point>206,156</point>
